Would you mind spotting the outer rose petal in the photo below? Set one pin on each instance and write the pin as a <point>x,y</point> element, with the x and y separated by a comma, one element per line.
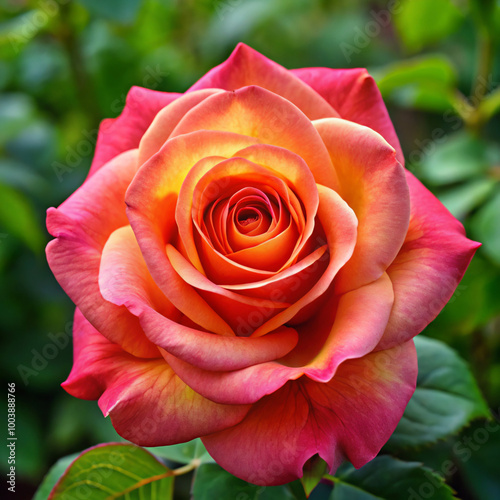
<point>148,404</point>
<point>125,132</point>
<point>246,67</point>
<point>429,266</point>
<point>355,95</point>
<point>124,280</point>
<point>74,256</point>
<point>351,417</point>
<point>373,184</point>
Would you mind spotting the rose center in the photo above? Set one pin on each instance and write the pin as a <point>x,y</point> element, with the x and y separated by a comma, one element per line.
<point>248,216</point>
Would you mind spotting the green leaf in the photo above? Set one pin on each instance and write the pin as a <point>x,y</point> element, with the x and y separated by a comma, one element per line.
<point>390,479</point>
<point>429,68</point>
<point>212,481</point>
<point>455,158</point>
<point>446,398</point>
<point>113,471</point>
<point>51,478</point>
<point>122,11</point>
<point>421,23</point>
<point>314,470</point>
<point>462,199</point>
<point>183,453</point>
<point>425,82</point>
<point>485,226</point>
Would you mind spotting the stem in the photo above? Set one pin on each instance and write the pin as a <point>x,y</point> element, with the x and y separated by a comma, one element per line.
<point>490,105</point>
<point>477,119</point>
<point>333,479</point>
<point>194,464</point>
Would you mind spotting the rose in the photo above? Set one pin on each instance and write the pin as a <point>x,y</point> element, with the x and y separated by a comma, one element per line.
<point>250,261</point>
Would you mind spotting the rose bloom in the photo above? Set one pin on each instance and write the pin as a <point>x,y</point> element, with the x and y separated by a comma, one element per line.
<point>249,262</point>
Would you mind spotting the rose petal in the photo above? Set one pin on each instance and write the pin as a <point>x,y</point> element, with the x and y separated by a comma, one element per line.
<point>339,223</point>
<point>124,281</point>
<point>347,418</point>
<point>125,132</point>
<point>256,112</point>
<point>246,67</point>
<point>166,120</point>
<point>292,283</point>
<point>229,305</point>
<point>74,256</point>
<point>223,179</point>
<point>359,320</point>
<point>151,200</point>
<point>373,184</point>
<point>148,404</point>
<point>348,327</point>
<point>355,95</point>
<point>429,266</point>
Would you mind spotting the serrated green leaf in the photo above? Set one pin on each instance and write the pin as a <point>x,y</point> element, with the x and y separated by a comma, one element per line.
<point>212,481</point>
<point>113,471</point>
<point>446,398</point>
<point>390,479</point>
<point>423,22</point>
<point>183,453</point>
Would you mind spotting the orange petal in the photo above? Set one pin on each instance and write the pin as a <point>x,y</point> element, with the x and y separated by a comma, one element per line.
<point>256,112</point>
<point>373,184</point>
<point>151,200</point>
<point>166,120</point>
<point>339,223</point>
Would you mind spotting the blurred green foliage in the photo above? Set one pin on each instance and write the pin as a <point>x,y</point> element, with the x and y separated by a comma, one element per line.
<point>65,65</point>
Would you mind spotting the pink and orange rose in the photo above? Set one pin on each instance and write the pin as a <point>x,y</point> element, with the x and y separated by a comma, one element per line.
<point>250,262</point>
